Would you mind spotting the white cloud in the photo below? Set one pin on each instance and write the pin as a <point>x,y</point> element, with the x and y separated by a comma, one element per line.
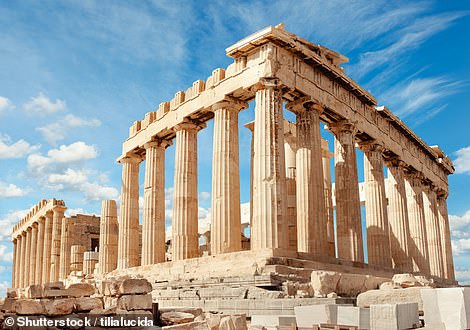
<point>8,190</point>
<point>462,161</point>
<point>463,276</point>
<point>17,149</point>
<point>4,255</point>
<point>96,192</point>
<point>5,104</point>
<point>10,219</point>
<point>72,212</point>
<point>57,131</point>
<point>460,232</point>
<point>42,105</point>
<point>4,285</point>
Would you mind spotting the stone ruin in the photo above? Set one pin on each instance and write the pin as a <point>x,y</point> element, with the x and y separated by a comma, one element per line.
<point>305,245</point>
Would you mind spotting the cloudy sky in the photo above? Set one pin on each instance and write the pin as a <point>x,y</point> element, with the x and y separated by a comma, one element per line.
<point>74,75</point>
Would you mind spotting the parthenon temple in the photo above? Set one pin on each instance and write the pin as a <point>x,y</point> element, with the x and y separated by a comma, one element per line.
<point>301,208</point>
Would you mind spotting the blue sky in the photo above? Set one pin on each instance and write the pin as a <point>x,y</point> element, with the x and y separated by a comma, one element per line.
<point>74,75</point>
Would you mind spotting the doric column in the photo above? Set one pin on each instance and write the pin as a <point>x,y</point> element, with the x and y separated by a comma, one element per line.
<point>39,251</point>
<point>329,210</point>
<point>108,237</point>
<point>46,259</point>
<point>269,227</point>
<point>185,202</point>
<point>23,261</point>
<point>311,215</point>
<point>17,261</point>
<point>153,222</point>
<point>27,263</point>
<point>418,244</point>
<point>32,253</point>
<point>433,231</point>
<point>128,243</point>
<point>76,258</point>
<point>398,216</point>
<point>225,214</point>
<point>65,245</point>
<point>348,209</point>
<point>57,217</point>
<point>290,149</point>
<point>378,238</point>
<point>251,127</point>
<point>14,265</point>
<point>448,260</point>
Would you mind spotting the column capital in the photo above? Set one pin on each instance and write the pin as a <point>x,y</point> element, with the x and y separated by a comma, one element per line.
<point>342,126</point>
<point>23,233</point>
<point>130,159</point>
<point>371,146</point>
<point>59,208</point>
<point>34,225</point>
<point>158,143</point>
<point>188,125</point>
<point>29,229</point>
<point>230,103</point>
<point>441,194</point>
<point>395,162</point>
<point>305,103</point>
<point>14,240</point>
<point>267,83</point>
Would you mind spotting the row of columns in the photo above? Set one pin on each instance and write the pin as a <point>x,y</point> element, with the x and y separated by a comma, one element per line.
<point>36,252</point>
<point>396,229</point>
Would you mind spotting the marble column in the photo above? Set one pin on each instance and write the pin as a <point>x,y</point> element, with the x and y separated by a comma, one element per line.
<point>23,261</point>
<point>46,259</point>
<point>251,127</point>
<point>433,231</point>
<point>76,258</point>
<point>418,237</point>
<point>398,216</point>
<point>290,149</point>
<point>448,260</point>
<point>378,239</point>
<point>57,218</point>
<point>153,222</point>
<point>269,227</point>
<point>14,264</point>
<point>65,245</point>
<point>108,237</point>
<point>128,241</point>
<point>39,251</point>
<point>311,215</point>
<point>225,213</point>
<point>27,270</point>
<point>16,260</point>
<point>329,210</point>
<point>348,209</point>
<point>185,203</point>
<point>33,253</point>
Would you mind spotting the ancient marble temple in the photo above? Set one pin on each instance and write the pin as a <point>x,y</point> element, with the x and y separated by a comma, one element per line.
<point>295,211</point>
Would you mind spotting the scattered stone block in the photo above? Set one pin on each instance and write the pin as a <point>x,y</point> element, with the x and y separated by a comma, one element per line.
<point>449,306</point>
<point>188,326</point>
<point>394,316</point>
<point>9,305</point>
<point>350,285</point>
<point>12,293</point>
<point>239,320</point>
<point>29,307</point>
<point>405,280</point>
<point>55,307</point>
<point>80,290</point>
<point>308,316</point>
<point>226,323</point>
<point>389,286</point>
<point>110,302</point>
<point>34,291</point>
<point>273,322</point>
<point>377,297</point>
<point>54,286</point>
<point>83,304</point>
<point>355,316</point>
<point>195,311</point>
<point>171,318</point>
<point>134,286</point>
<point>134,302</point>
<point>324,282</point>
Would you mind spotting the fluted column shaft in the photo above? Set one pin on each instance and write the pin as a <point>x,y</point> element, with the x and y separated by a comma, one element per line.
<point>251,127</point>
<point>448,260</point>
<point>23,261</point>
<point>128,243</point>
<point>290,150</point>
<point>153,223</point>
<point>311,216</point>
<point>185,202</point>
<point>46,265</point>
<point>27,280</point>
<point>348,209</point>
<point>433,231</point>
<point>14,264</point>
<point>269,227</point>
<point>108,237</point>
<point>378,239</point>
<point>57,217</point>
<point>225,214</point>
<point>32,253</point>
<point>65,245</point>
<point>418,237</point>
<point>330,225</point>
<point>39,251</point>
<point>398,216</point>
<point>76,258</point>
